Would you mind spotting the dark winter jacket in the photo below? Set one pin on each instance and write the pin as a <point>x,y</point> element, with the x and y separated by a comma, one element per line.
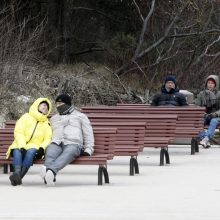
<point>171,98</point>
<point>210,99</point>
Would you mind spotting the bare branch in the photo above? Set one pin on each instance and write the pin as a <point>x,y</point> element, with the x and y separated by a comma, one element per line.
<point>162,39</point>
<point>210,45</point>
<point>206,50</point>
<point>123,86</point>
<point>139,11</point>
<point>139,68</point>
<point>87,51</point>
<point>212,31</point>
<point>144,27</point>
<point>215,59</point>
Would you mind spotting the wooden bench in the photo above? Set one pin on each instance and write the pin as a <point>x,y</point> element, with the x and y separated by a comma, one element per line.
<point>189,122</point>
<point>129,139</point>
<point>159,132</point>
<point>103,151</point>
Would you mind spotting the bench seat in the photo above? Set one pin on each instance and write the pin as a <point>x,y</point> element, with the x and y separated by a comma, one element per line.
<point>103,151</point>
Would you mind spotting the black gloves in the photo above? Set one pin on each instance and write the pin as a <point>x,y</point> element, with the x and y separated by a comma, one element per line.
<point>40,153</point>
<point>209,117</point>
<point>83,153</point>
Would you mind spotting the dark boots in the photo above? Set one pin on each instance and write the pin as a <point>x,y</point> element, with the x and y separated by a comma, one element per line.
<point>24,170</point>
<point>17,176</point>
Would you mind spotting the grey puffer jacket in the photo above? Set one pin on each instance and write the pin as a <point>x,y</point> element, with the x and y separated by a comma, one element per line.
<point>210,99</point>
<point>74,128</point>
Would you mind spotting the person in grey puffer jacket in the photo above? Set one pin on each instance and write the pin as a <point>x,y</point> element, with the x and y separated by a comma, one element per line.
<point>72,137</point>
<point>209,98</point>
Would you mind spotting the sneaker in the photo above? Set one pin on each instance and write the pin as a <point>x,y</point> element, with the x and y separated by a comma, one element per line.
<point>204,142</point>
<point>43,172</point>
<point>208,145</point>
<point>49,178</point>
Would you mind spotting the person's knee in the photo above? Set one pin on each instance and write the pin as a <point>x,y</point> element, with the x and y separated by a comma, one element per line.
<point>31,152</point>
<point>29,156</point>
<point>51,153</point>
<point>214,121</point>
<point>16,152</point>
<point>74,150</point>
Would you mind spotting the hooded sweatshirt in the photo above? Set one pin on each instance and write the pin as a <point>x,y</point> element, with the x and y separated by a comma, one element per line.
<point>210,99</point>
<point>32,130</point>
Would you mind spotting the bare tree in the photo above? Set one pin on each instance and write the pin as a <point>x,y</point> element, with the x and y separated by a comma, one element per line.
<point>189,33</point>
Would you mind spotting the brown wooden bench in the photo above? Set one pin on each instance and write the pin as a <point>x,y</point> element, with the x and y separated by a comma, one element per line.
<point>189,122</point>
<point>159,132</point>
<point>129,139</point>
<point>103,151</point>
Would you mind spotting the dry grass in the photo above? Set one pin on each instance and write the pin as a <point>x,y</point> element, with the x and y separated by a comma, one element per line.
<point>88,84</point>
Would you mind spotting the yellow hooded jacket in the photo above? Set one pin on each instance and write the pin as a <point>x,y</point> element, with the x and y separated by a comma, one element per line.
<point>32,130</point>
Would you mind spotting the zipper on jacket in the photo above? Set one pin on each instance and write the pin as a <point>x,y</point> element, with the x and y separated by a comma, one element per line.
<point>32,132</point>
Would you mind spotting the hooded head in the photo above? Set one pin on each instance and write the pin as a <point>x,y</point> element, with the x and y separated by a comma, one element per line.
<point>214,79</point>
<point>34,109</point>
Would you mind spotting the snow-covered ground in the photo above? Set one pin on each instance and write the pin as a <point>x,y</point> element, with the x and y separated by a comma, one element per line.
<point>187,189</point>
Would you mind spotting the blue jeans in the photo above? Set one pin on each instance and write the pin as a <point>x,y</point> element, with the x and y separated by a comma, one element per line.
<point>211,129</point>
<point>26,161</point>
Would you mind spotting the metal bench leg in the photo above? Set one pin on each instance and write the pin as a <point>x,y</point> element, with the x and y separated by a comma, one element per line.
<point>193,146</point>
<point>167,157</point>
<point>106,176</point>
<point>5,168</point>
<point>162,154</point>
<point>132,166</point>
<point>100,171</point>
<point>196,145</point>
<point>136,167</point>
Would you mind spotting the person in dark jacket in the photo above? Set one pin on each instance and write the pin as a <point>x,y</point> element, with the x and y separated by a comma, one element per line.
<point>169,95</point>
<point>209,97</point>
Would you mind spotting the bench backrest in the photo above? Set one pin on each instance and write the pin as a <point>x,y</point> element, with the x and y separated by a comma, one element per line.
<point>104,140</point>
<point>129,134</point>
<point>189,123</point>
<point>156,125</point>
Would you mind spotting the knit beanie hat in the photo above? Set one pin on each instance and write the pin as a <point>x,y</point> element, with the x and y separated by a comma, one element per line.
<point>170,78</point>
<point>65,98</point>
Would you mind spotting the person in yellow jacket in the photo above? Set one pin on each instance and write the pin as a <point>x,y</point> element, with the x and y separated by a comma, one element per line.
<point>32,134</point>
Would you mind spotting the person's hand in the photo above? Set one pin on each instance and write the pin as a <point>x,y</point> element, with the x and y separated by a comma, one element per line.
<point>40,153</point>
<point>209,117</point>
<point>214,115</point>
